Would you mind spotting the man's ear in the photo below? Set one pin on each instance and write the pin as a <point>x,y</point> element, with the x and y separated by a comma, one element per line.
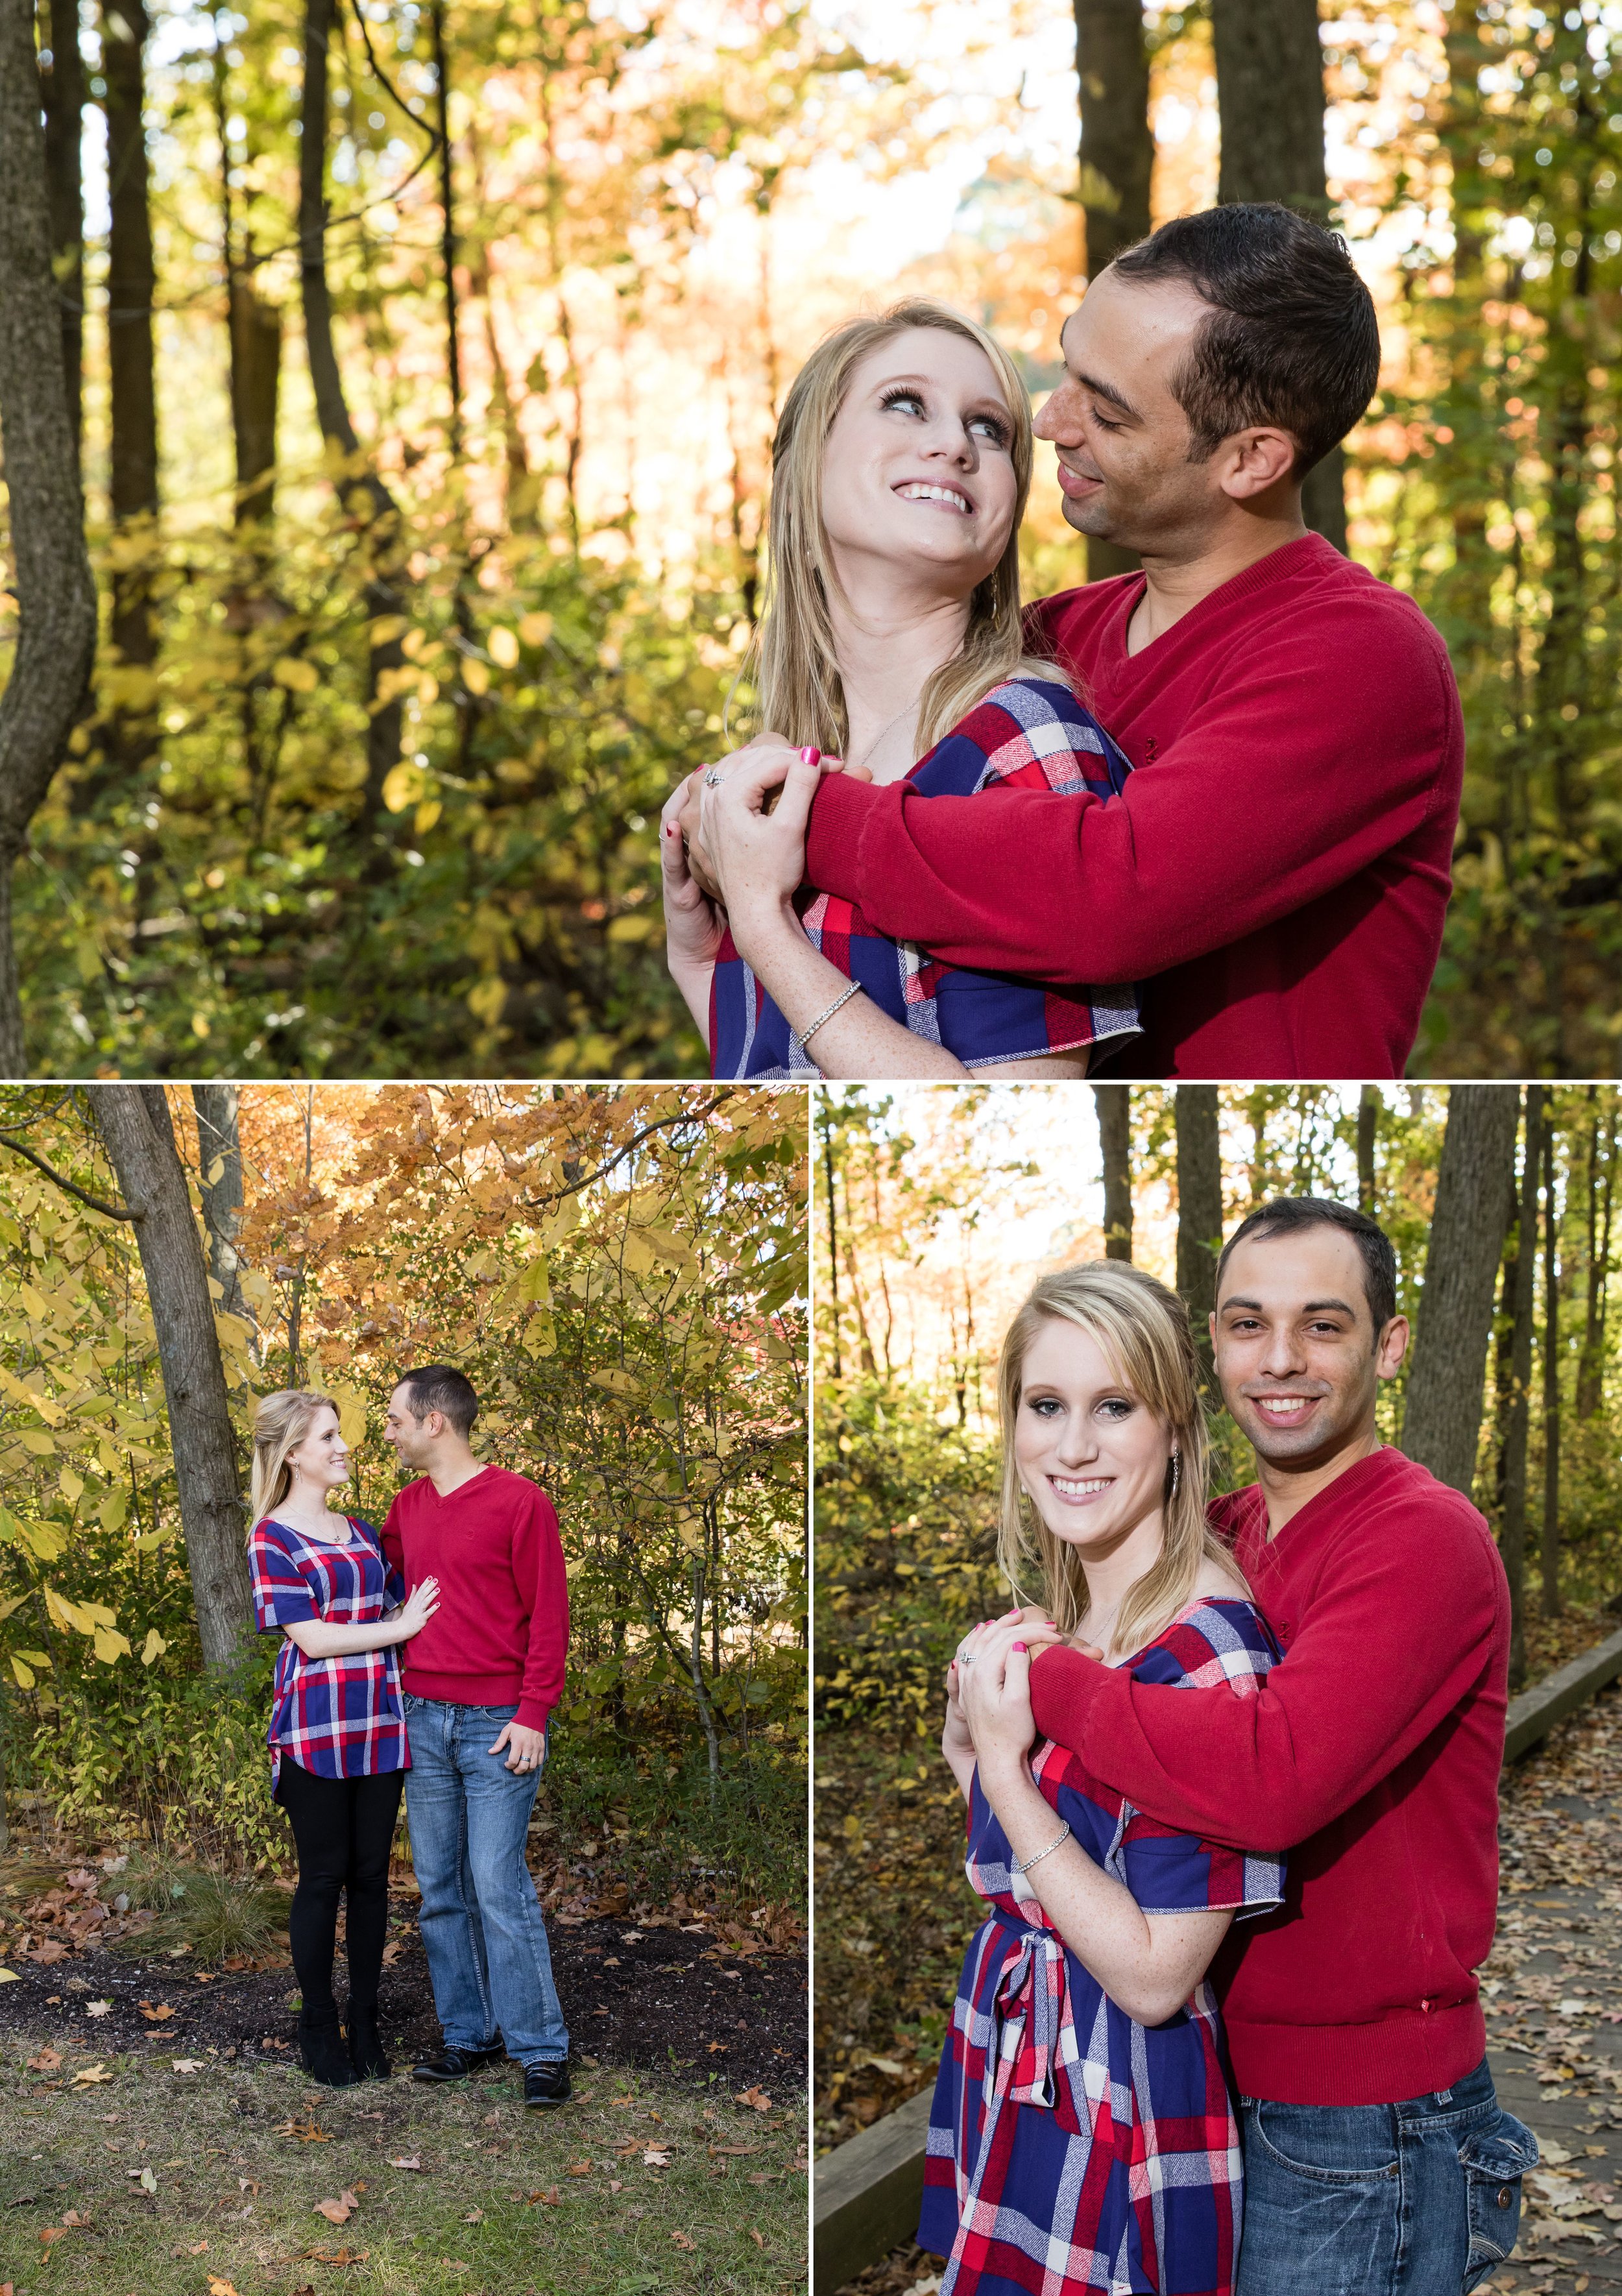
<point>1391,1347</point>
<point>1255,461</point>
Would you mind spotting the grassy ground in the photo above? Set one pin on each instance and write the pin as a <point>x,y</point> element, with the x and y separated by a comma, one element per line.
<point>159,2183</point>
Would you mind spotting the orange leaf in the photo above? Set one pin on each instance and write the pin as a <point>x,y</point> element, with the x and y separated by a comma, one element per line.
<point>684,2240</point>
<point>46,2062</point>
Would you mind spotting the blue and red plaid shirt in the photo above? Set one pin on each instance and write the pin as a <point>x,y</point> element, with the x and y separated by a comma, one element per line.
<point>340,1718</point>
<point>1029,733</point>
<point>1070,2148</point>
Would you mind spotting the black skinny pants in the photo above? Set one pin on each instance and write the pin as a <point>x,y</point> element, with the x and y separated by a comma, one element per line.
<point>343,1828</point>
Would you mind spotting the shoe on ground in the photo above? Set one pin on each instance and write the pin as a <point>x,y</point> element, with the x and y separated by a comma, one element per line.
<point>546,2084</point>
<point>366,2052</point>
<point>455,2064</point>
<point>321,2051</point>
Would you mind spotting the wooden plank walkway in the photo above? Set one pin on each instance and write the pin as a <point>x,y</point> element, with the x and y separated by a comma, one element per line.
<point>1554,1993</point>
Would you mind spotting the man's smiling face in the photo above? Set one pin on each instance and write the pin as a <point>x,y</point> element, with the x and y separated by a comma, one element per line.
<point>1296,1349</point>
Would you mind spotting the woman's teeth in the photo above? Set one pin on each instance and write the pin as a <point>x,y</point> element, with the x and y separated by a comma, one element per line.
<point>935,494</point>
<point>1069,1488</point>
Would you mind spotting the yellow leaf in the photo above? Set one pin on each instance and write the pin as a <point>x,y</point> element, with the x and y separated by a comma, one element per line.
<point>690,1530</point>
<point>154,1647</point>
<point>400,787</point>
<point>67,1615</point>
<point>351,1413</point>
<point>24,1674</point>
<point>51,1412</point>
<point>426,815</point>
<point>617,1382</point>
<point>638,926</point>
<point>114,1506</point>
<point>535,629</point>
<point>475,674</point>
<point>298,675</point>
<point>386,629</point>
<point>534,1284</point>
<point>70,1486</point>
<point>485,999</point>
<point>41,1538</point>
<point>504,648</point>
<point>110,1647</point>
<point>428,690</point>
<point>35,1439</point>
<point>12,1603</point>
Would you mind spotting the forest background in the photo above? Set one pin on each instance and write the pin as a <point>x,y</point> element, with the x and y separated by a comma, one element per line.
<point>933,1216</point>
<point>421,358</point>
<point>621,1273</point>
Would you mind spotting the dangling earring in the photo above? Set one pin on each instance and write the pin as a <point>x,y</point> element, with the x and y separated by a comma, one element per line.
<point>1176,1472</point>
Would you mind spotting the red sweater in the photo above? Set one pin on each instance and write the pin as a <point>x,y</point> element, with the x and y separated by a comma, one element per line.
<point>1276,870</point>
<point>1372,1756</point>
<point>500,1632</point>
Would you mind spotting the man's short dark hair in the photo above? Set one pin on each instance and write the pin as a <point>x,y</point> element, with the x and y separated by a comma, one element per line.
<point>1292,338</point>
<point>442,1387</point>
<point>1289,1215</point>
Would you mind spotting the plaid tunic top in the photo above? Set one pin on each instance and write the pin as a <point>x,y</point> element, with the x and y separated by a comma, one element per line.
<point>1070,2148</point>
<point>340,1718</point>
<point>1028,734</point>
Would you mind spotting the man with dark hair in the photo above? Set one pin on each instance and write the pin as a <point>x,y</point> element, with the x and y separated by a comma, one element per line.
<point>491,1660</point>
<point>1375,2148</point>
<point>1276,873</point>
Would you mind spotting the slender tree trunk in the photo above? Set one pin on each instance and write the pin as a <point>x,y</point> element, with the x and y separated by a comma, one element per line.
<point>1199,1208</point>
<point>1270,96</point>
<point>1552,1282</point>
<point>368,494</point>
<point>1116,163</point>
<point>256,387</point>
<point>219,1156</point>
<point>833,1249</point>
<point>1114,1105</point>
<point>1517,1412</point>
<point>447,229</point>
<point>1474,1199</point>
<point>134,1122</point>
<point>62,89</point>
<point>132,286</point>
<point>54,589</point>
<point>1591,1368</point>
<point>1368,1133</point>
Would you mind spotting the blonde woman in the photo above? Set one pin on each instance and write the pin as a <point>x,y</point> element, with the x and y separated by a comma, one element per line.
<point>338,1748</point>
<point>1083,2133</point>
<point>891,640</point>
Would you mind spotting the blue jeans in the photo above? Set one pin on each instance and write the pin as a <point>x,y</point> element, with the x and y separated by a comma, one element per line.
<point>482,1926</point>
<point>1416,2198</point>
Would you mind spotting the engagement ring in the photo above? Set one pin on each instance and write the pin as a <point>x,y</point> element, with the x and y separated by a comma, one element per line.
<point>712,779</point>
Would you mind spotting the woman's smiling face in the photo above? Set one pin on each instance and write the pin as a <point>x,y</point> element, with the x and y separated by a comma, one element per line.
<point>1092,1457</point>
<point>918,470</point>
<point>323,1458</point>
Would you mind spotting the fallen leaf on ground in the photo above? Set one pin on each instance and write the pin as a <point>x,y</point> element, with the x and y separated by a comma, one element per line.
<point>615,2186</point>
<point>187,2064</point>
<point>684,2240</point>
<point>88,2074</point>
<point>48,2232</point>
<point>338,2212</point>
<point>335,2255</point>
<point>218,2287</point>
<point>46,2062</point>
<point>144,2178</point>
<point>551,2198</point>
<point>72,2217</point>
<point>306,2131</point>
<point>8,1977</point>
<point>411,2162</point>
<point>474,2216</point>
<point>579,2168</point>
<point>718,2048</point>
<point>154,2013</point>
<point>653,2159</point>
<point>758,2238</point>
<point>97,2008</point>
<point>757,2097</point>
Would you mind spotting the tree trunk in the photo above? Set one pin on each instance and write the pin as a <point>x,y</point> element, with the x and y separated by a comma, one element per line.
<point>1517,1409</point>
<point>383,593</point>
<point>256,384</point>
<point>55,592</point>
<point>447,228</point>
<point>1199,1209</point>
<point>219,1157</point>
<point>132,286</point>
<point>1474,1199</point>
<point>134,1120</point>
<point>1551,1280</point>
<point>1114,1104</point>
<point>1116,163</point>
<point>1270,96</point>
<point>1591,1368</point>
<point>62,90</point>
<point>1368,1132</point>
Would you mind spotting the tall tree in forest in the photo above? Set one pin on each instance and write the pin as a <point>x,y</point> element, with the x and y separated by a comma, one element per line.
<point>365,493</point>
<point>63,90</point>
<point>1474,1197</point>
<point>219,1157</point>
<point>1601,1205</point>
<point>1199,1208</point>
<point>1113,1102</point>
<point>54,588</point>
<point>134,1122</point>
<point>1515,1403</point>
<point>1550,1544</point>
<point>1368,1134</point>
<point>132,287</point>
<point>253,330</point>
<point>1270,99</point>
<point>1116,163</point>
<point>448,226</point>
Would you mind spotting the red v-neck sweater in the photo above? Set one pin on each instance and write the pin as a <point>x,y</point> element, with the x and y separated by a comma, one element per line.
<point>1276,870</point>
<point>500,1635</point>
<point>1372,1756</point>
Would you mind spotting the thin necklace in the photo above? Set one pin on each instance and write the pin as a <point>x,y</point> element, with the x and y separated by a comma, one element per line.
<point>883,730</point>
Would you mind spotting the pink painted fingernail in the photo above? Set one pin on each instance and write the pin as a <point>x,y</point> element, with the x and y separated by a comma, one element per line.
<point>809,756</point>
<point>1019,1646</point>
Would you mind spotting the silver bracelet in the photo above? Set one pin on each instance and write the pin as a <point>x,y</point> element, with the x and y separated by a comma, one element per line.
<point>801,1037</point>
<point>1017,1865</point>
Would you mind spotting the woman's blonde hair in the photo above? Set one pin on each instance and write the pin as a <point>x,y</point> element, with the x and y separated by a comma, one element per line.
<point>280,1425</point>
<point>1144,1330</point>
<point>791,658</point>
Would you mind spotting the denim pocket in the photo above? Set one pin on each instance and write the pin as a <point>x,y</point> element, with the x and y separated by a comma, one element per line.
<point>1350,2145</point>
<point>1495,2159</point>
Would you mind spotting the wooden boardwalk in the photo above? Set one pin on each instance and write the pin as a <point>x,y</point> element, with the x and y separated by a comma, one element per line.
<point>1553,1995</point>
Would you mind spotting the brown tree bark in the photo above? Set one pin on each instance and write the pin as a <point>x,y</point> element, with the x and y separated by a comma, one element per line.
<point>447,226</point>
<point>1601,1198</point>
<point>219,1157</point>
<point>134,1122</point>
<point>256,385</point>
<point>1550,1544</point>
<point>1116,163</point>
<point>62,93</point>
<point>1114,1105</point>
<point>1474,1199</point>
<point>1199,1208</point>
<point>384,589</point>
<point>132,284</point>
<point>1270,96</point>
<point>1368,1130</point>
<point>1515,1403</point>
<point>55,592</point>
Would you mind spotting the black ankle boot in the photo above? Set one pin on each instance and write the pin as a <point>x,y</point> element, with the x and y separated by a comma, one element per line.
<point>321,2047</point>
<point>366,2046</point>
